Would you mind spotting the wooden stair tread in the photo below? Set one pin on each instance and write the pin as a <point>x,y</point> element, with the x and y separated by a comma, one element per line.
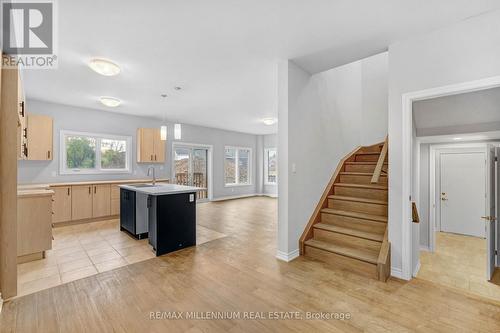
<point>357,199</point>
<point>369,186</point>
<point>379,237</point>
<point>364,163</point>
<point>362,216</point>
<point>347,251</point>
<point>368,153</point>
<point>355,173</point>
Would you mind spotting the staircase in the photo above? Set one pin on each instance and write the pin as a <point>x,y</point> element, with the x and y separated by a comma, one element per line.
<point>348,228</point>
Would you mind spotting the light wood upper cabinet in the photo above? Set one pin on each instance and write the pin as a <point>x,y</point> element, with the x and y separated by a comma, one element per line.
<point>150,148</point>
<point>61,205</point>
<point>101,200</point>
<point>21,123</point>
<point>81,202</point>
<point>159,147</point>
<point>39,137</point>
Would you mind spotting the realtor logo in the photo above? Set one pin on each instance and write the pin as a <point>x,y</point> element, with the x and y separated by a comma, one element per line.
<point>28,31</point>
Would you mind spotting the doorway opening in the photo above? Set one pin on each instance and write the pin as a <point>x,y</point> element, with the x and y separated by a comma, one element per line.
<point>192,167</point>
<point>455,184</point>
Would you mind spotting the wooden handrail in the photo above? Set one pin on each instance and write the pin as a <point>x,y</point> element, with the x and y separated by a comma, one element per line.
<point>384,259</point>
<point>380,162</point>
<point>414,213</point>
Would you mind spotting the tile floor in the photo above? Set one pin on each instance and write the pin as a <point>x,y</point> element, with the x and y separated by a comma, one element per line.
<point>82,250</point>
<point>459,261</point>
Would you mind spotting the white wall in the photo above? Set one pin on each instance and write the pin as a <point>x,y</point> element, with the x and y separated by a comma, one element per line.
<point>327,115</point>
<point>469,50</point>
<point>88,120</point>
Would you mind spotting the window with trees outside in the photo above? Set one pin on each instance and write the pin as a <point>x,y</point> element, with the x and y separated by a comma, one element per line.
<point>270,166</point>
<point>85,153</point>
<point>237,162</point>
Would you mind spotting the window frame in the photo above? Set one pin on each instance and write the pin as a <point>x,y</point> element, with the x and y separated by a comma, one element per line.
<point>237,171</point>
<point>63,170</point>
<point>266,166</point>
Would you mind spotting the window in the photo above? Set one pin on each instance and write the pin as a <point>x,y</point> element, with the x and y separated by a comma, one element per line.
<point>84,153</point>
<point>270,166</point>
<point>237,162</point>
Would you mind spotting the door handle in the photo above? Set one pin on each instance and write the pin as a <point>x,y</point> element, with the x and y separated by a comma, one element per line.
<point>489,218</point>
<point>444,199</point>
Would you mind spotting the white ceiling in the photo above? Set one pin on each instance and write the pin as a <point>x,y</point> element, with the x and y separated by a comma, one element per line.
<point>221,52</point>
<point>463,113</point>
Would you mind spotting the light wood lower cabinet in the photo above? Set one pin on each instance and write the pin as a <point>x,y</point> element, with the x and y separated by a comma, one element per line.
<point>101,200</point>
<point>81,202</point>
<point>34,224</point>
<point>90,201</point>
<point>115,200</point>
<point>61,204</point>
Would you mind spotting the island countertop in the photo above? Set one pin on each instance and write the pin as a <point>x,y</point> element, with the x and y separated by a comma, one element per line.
<point>161,189</point>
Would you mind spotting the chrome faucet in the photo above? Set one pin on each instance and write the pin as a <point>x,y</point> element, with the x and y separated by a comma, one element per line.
<point>154,176</point>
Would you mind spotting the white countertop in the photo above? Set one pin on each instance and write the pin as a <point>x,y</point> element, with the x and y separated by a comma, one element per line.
<point>163,189</point>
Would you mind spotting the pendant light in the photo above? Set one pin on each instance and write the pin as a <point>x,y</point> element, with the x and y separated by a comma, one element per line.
<point>163,128</point>
<point>177,131</point>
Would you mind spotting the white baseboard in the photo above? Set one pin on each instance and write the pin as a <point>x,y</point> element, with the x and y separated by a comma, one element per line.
<point>231,197</point>
<point>241,196</point>
<point>397,273</point>
<point>425,248</point>
<point>287,256</point>
<point>417,268</point>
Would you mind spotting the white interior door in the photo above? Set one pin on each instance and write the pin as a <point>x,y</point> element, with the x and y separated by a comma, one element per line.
<point>463,188</point>
<point>490,217</point>
<point>497,221</point>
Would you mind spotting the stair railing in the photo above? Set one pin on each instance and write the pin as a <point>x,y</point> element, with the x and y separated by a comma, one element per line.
<point>380,163</point>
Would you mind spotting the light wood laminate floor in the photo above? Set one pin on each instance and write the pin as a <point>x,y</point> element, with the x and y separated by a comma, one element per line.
<point>82,250</point>
<point>459,261</point>
<point>240,273</point>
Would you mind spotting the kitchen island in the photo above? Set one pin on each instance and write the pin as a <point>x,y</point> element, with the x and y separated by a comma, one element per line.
<point>170,211</point>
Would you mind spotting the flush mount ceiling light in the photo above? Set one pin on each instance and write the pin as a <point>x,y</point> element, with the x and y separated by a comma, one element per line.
<point>456,139</point>
<point>269,121</point>
<point>110,101</point>
<point>104,67</point>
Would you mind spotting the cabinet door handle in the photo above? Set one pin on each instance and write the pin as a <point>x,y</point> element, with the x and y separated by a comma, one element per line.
<point>89,190</point>
<point>95,189</point>
<point>48,154</point>
<point>155,157</point>
<point>22,108</point>
<point>68,190</point>
<point>25,130</point>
